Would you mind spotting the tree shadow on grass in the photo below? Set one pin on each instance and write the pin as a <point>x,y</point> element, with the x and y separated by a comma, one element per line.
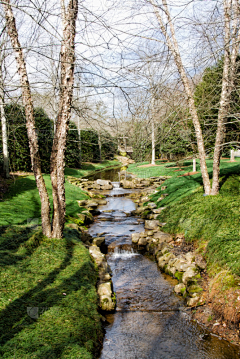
<point>21,185</point>
<point>11,238</point>
<point>16,311</point>
<point>15,319</point>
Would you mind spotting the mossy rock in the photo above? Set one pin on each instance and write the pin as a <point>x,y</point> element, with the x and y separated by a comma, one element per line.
<point>194,289</point>
<point>145,214</point>
<point>179,276</point>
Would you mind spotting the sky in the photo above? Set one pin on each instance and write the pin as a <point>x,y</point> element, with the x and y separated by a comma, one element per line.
<point>112,38</point>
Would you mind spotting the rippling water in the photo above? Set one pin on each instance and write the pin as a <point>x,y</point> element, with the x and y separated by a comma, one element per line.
<point>150,321</point>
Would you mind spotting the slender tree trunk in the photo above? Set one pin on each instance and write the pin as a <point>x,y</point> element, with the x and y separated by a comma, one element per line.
<point>80,144</point>
<point>69,17</point>
<point>153,132</point>
<point>100,146</point>
<point>30,121</point>
<point>173,46</point>
<point>4,127</point>
<point>153,143</point>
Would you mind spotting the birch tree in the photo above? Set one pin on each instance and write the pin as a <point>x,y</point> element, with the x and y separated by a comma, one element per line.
<point>51,228</point>
<point>3,117</point>
<point>172,44</point>
<point>231,49</point>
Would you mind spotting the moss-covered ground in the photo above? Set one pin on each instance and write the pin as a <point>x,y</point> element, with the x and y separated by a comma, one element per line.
<point>48,304</point>
<point>212,221</point>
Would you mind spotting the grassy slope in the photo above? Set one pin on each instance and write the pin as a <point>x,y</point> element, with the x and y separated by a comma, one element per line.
<point>211,219</point>
<point>36,271</point>
<point>21,202</point>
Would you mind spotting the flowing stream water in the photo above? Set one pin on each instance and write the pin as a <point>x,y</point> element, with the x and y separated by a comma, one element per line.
<point>150,321</point>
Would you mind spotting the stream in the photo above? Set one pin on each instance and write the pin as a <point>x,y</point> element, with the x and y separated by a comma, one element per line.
<point>150,321</point>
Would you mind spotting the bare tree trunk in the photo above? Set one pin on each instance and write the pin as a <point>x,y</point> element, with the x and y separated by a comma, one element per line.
<point>4,126</point>
<point>80,143</point>
<point>173,46</point>
<point>30,121</point>
<point>153,143</point>
<point>100,146</point>
<point>153,132</point>
<point>69,16</point>
<point>229,69</point>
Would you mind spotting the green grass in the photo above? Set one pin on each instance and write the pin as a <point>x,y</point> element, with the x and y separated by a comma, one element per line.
<point>57,277</point>
<point>22,203</point>
<point>87,168</point>
<point>212,219</point>
<point>162,169</point>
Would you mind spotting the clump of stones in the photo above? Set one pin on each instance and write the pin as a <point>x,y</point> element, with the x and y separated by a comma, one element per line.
<point>186,268</point>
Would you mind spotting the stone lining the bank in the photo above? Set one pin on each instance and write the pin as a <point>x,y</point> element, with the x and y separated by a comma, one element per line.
<point>186,268</point>
<point>107,297</point>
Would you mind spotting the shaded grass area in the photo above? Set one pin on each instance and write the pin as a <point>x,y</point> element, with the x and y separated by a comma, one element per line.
<point>88,168</point>
<point>214,221</point>
<point>48,303</point>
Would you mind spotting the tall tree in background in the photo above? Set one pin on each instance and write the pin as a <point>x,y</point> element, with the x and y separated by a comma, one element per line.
<point>54,228</point>
<point>231,48</point>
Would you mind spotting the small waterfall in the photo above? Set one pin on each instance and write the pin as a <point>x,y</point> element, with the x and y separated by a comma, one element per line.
<point>116,185</point>
<point>123,253</point>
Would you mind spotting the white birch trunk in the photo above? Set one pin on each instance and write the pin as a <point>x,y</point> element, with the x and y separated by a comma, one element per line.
<point>153,143</point>
<point>4,127</point>
<point>153,132</point>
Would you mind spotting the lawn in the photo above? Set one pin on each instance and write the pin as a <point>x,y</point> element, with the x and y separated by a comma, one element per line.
<point>48,297</point>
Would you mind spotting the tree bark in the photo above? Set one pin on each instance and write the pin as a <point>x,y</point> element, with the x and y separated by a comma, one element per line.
<point>4,127</point>
<point>67,56</point>
<point>173,46</point>
<point>30,121</point>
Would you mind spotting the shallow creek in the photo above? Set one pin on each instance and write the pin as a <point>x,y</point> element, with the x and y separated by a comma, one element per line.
<point>150,321</point>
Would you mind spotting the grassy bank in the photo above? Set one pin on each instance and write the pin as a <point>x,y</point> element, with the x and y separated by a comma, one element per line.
<point>212,221</point>
<point>48,287</point>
